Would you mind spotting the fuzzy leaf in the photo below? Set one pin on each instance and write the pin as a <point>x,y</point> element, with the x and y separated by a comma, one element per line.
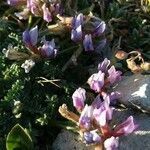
<point>18,139</point>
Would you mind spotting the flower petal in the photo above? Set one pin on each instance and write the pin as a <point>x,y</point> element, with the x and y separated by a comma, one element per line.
<point>78,98</point>
<point>126,127</point>
<point>111,143</point>
<point>87,43</point>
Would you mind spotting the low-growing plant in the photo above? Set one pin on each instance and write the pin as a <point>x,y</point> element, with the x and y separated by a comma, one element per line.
<point>49,49</point>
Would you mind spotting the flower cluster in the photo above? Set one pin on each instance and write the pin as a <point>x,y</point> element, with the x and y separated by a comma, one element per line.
<point>94,120</point>
<point>105,76</point>
<point>45,9</point>
<point>30,39</point>
<point>86,29</point>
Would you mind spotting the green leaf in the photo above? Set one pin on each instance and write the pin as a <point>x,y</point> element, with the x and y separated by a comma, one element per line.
<point>18,139</point>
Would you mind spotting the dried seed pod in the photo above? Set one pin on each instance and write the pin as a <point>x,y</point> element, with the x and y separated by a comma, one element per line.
<point>121,55</point>
<point>145,66</point>
<point>133,66</point>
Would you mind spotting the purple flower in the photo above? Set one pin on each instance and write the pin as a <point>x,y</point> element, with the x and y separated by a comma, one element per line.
<point>111,143</point>
<point>91,137</point>
<point>97,102</point>
<point>125,128</point>
<point>46,13</point>
<point>16,2</point>
<point>77,21</point>
<point>86,117</point>
<point>104,65</point>
<point>114,75</point>
<point>87,43</point>
<point>34,7</point>
<point>103,114</point>
<point>30,37</point>
<point>115,95</point>
<point>76,34</point>
<point>112,97</point>
<point>78,98</point>
<point>96,81</point>
<point>100,28</point>
<point>48,49</point>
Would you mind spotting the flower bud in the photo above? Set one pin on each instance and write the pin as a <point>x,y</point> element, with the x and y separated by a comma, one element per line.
<point>79,96</point>
<point>121,55</point>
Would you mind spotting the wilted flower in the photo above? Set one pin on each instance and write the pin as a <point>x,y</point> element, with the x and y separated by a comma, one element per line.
<point>78,98</point>
<point>111,143</point>
<point>87,43</point>
<point>91,137</point>
<point>23,14</point>
<point>86,117</point>
<point>28,65</point>
<point>104,65</point>
<point>114,75</point>
<point>30,37</point>
<point>49,49</point>
<point>96,81</point>
<point>12,53</point>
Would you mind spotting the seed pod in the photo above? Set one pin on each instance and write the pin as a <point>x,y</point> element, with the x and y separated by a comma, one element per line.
<point>121,55</point>
<point>133,66</point>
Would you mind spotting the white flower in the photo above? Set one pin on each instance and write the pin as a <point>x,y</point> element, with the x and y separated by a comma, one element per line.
<point>27,65</point>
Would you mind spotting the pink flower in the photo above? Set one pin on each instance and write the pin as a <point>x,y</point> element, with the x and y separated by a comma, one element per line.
<point>104,65</point>
<point>86,117</point>
<point>125,128</point>
<point>46,13</point>
<point>78,98</point>
<point>111,143</point>
<point>96,81</point>
<point>49,49</point>
<point>114,75</point>
<point>103,114</point>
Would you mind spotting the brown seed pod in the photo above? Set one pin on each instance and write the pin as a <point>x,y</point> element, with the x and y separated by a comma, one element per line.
<point>121,55</point>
